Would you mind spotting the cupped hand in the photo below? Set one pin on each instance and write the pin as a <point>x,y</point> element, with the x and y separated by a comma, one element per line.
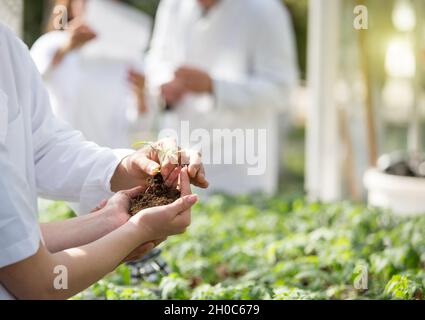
<point>164,221</point>
<point>116,211</point>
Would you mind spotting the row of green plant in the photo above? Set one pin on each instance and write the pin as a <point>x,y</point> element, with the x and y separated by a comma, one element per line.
<point>261,248</point>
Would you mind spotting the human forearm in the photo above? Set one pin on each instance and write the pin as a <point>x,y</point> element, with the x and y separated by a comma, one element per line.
<point>90,263</point>
<point>78,231</point>
<point>34,278</point>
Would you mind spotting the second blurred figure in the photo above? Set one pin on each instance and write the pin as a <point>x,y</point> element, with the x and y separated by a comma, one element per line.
<point>226,64</point>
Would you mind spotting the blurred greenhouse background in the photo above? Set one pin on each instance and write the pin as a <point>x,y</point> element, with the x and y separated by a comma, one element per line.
<point>36,13</point>
<point>360,96</point>
<point>293,133</point>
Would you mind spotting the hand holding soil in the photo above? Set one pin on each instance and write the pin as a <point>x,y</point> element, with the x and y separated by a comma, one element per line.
<point>160,211</point>
<point>165,220</point>
<point>116,210</point>
<point>159,157</point>
<point>157,194</point>
<point>161,192</point>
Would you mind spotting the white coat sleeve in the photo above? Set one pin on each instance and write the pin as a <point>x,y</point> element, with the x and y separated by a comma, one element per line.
<point>19,229</point>
<point>274,70</point>
<point>67,167</point>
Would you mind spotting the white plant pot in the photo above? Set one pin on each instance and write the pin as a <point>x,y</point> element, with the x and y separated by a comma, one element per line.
<point>403,195</point>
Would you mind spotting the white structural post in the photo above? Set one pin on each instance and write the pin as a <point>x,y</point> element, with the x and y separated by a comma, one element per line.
<point>323,165</point>
<point>11,14</point>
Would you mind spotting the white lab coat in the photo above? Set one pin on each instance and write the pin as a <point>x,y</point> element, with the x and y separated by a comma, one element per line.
<point>90,93</point>
<point>248,49</point>
<point>39,155</point>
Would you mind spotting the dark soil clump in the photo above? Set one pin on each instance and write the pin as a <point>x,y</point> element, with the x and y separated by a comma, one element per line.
<point>157,194</point>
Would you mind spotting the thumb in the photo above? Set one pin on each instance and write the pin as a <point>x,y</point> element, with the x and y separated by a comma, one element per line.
<point>148,166</point>
<point>181,205</point>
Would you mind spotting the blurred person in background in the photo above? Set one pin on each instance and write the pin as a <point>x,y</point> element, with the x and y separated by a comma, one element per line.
<point>85,92</point>
<point>225,64</point>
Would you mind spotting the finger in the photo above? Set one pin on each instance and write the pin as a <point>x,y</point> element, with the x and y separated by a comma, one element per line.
<point>175,183</point>
<point>200,180</point>
<point>192,159</point>
<point>184,183</point>
<point>195,168</point>
<point>173,177</point>
<point>185,157</point>
<point>181,205</point>
<point>168,155</point>
<point>166,168</point>
<point>145,164</point>
<point>126,196</point>
<point>194,163</point>
<point>182,221</point>
<point>133,193</point>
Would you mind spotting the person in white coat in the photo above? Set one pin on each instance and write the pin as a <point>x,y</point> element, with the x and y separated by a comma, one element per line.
<point>226,64</point>
<point>42,155</point>
<point>99,96</point>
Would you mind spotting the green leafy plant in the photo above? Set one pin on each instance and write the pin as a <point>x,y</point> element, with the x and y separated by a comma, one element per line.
<point>270,248</point>
<point>401,287</point>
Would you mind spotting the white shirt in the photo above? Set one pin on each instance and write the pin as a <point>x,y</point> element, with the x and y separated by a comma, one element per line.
<point>39,155</point>
<point>89,92</point>
<point>247,47</point>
